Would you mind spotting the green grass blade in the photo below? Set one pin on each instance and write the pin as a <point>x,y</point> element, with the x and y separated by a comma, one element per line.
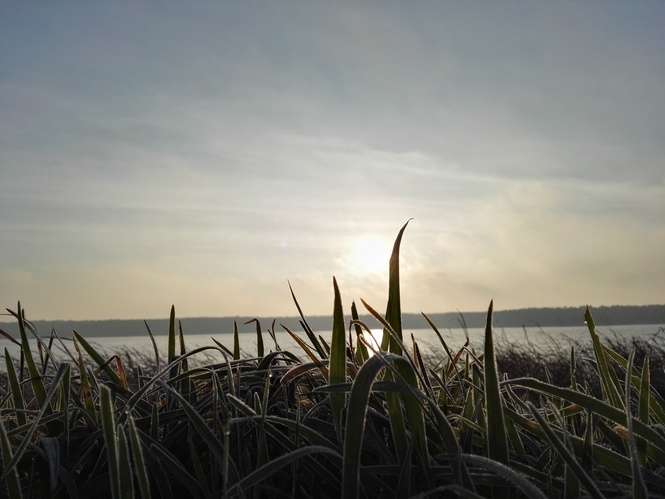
<point>608,379</point>
<point>496,435</point>
<point>639,488</point>
<point>15,388</point>
<point>236,342</point>
<point>36,378</point>
<point>305,325</point>
<point>154,343</point>
<point>394,307</point>
<point>308,351</point>
<point>337,367</point>
<point>259,337</point>
<point>140,468</point>
<point>361,349</point>
<point>171,355</point>
<point>99,360</point>
<point>110,440</point>
<point>12,481</point>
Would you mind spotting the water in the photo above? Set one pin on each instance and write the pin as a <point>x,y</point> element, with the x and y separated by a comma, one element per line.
<point>546,339</point>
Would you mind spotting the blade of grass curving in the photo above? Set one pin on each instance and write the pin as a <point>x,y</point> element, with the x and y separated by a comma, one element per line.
<point>171,343</point>
<point>337,366</point>
<point>639,487</point>
<point>394,308</point>
<point>138,460</point>
<point>361,349</point>
<point>12,481</point>
<point>110,441</point>
<point>325,346</point>
<point>259,337</point>
<point>497,441</point>
<point>236,342</point>
<point>99,360</point>
<point>308,330</point>
<point>566,455</point>
<point>85,389</point>
<point>9,337</point>
<point>608,381</point>
<point>308,351</point>
<point>154,343</point>
<point>36,378</point>
<point>15,388</point>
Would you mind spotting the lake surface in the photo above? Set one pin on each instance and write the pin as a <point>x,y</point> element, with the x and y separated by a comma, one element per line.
<point>546,339</point>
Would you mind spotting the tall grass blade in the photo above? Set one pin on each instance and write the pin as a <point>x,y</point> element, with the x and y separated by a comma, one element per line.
<point>361,354</point>
<point>394,307</point>
<point>35,375</point>
<point>171,355</point>
<point>337,367</point>
<point>15,388</point>
<point>259,337</point>
<point>154,343</point>
<point>236,342</point>
<point>99,360</point>
<point>639,487</point>
<point>496,435</point>
<point>306,327</point>
<point>607,378</point>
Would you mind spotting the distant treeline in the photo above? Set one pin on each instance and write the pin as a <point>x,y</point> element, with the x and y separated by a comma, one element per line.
<point>530,317</point>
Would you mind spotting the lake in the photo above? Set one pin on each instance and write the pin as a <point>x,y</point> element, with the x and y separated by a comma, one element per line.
<point>546,339</point>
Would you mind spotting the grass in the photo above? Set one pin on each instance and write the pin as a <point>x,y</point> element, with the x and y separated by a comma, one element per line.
<point>349,418</point>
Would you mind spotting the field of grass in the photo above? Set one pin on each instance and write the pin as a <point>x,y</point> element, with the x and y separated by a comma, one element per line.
<point>348,418</point>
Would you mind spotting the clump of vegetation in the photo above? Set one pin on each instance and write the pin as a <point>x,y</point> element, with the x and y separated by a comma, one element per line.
<point>349,419</point>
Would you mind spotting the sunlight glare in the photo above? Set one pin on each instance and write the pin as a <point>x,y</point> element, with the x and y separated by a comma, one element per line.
<point>368,255</point>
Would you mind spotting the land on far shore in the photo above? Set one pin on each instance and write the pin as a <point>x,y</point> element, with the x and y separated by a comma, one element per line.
<point>529,317</point>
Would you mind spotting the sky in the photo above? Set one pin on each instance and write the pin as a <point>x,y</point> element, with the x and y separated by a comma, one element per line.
<point>204,155</point>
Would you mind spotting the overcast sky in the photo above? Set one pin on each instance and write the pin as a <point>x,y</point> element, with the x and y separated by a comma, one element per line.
<point>203,155</point>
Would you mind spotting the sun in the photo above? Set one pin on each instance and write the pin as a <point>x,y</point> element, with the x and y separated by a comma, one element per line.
<point>368,255</point>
